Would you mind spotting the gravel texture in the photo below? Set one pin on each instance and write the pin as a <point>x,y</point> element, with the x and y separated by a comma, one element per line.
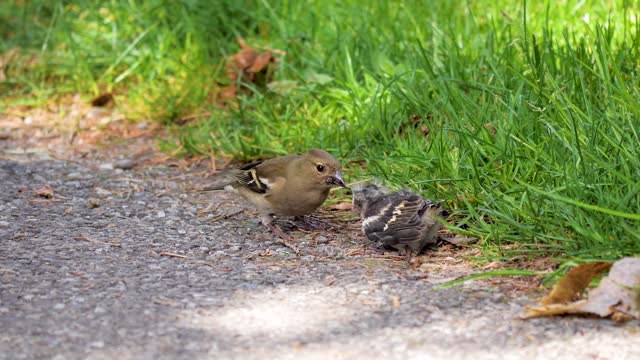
<point>127,262</point>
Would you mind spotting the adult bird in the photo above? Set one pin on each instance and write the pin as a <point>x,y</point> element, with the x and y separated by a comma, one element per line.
<point>293,185</point>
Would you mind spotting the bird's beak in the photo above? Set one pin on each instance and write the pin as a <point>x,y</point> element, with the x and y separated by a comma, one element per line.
<point>336,180</point>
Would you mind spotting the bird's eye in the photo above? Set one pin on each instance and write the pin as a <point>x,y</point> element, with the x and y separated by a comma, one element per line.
<point>320,168</point>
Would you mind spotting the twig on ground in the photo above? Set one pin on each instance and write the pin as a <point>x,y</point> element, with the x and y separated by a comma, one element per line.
<point>226,216</point>
<point>202,212</point>
<point>358,251</point>
<point>170,254</point>
<point>85,237</point>
<point>194,261</point>
<point>202,262</point>
<point>126,179</point>
<point>38,201</point>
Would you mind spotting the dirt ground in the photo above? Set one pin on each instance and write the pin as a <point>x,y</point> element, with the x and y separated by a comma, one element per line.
<point>108,251</point>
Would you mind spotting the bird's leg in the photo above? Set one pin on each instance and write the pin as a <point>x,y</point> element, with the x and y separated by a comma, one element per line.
<point>407,254</point>
<point>310,223</point>
<point>282,238</point>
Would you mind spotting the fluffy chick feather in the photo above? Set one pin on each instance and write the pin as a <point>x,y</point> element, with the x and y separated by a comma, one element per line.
<point>401,220</point>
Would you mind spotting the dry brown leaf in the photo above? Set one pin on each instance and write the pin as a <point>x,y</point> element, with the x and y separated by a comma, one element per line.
<point>492,130</point>
<point>575,282</point>
<point>5,59</point>
<point>249,66</point>
<point>617,296</point>
<point>44,191</point>
<point>260,62</point>
<point>618,292</point>
<point>553,309</point>
<point>241,61</point>
<point>102,100</point>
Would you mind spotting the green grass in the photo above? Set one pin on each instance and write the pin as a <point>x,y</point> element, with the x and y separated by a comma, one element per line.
<point>531,118</point>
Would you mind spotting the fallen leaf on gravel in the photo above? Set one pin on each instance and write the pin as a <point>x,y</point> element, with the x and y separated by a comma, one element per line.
<point>575,282</point>
<point>617,296</point>
<point>395,301</point>
<point>44,191</point>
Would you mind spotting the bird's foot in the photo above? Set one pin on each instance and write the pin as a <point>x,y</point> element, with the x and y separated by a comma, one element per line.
<point>407,253</point>
<point>283,238</point>
<point>310,223</point>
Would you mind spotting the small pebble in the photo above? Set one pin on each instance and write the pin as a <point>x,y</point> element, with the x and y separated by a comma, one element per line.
<point>124,164</point>
<point>99,310</point>
<point>93,203</point>
<point>97,344</point>
<point>103,192</point>
<point>106,166</point>
<point>77,176</point>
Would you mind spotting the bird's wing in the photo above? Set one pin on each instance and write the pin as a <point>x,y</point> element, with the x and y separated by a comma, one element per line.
<point>247,176</point>
<point>398,221</point>
<point>260,176</point>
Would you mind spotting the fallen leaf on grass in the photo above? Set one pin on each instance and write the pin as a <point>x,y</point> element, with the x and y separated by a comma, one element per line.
<point>102,100</point>
<point>617,296</point>
<point>249,66</point>
<point>260,62</point>
<point>6,58</point>
<point>416,124</point>
<point>44,191</point>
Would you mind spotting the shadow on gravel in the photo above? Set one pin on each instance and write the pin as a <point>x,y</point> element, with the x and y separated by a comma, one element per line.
<point>82,275</point>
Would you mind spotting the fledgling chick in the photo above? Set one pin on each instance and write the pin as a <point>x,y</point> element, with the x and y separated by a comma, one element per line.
<point>293,185</point>
<point>401,220</point>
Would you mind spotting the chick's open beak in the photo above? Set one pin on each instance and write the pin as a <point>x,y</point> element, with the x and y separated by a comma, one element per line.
<point>336,179</point>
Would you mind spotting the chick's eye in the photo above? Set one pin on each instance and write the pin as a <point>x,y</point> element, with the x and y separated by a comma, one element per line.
<point>320,167</point>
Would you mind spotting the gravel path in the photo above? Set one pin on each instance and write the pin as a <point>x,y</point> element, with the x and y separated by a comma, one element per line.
<point>133,264</point>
